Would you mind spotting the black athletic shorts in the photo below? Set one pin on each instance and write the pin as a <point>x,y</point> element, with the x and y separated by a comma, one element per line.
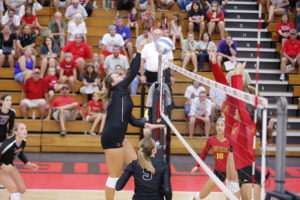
<point>112,138</point>
<point>245,175</point>
<point>220,175</point>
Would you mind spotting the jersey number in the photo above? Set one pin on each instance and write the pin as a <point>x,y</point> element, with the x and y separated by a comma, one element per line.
<point>147,176</point>
<point>220,156</point>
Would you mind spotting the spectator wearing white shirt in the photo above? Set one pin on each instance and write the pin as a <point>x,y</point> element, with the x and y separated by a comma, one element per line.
<point>191,93</point>
<point>12,20</point>
<point>200,114</point>
<point>35,7</point>
<point>145,36</point>
<point>114,60</point>
<point>77,26</point>
<point>109,40</point>
<point>74,9</point>
<point>14,4</point>
<point>217,97</point>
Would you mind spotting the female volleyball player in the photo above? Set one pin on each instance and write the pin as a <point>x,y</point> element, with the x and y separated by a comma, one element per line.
<point>116,148</point>
<point>9,175</point>
<point>240,129</point>
<point>151,176</point>
<point>7,116</point>
<point>220,146</point>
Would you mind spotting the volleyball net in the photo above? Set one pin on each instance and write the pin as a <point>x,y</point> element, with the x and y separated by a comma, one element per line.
<point>199,103</point>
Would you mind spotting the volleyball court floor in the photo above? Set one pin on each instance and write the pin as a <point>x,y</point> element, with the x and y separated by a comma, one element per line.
<point>77,176</point>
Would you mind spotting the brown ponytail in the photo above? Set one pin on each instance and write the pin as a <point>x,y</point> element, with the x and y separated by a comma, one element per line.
<point>146,147</point>
<point>106,90</point>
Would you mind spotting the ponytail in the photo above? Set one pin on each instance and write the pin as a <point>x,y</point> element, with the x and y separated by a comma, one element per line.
<point>106,91</point>
<point>143,155</point>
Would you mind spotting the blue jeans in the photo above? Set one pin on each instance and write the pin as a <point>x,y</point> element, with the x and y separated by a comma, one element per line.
<point>297,22</point>
<point>20,77</point>
<point>134,85</point>
<point>181,4</point>
<point>202,58</point>
<point>89,9</point>
<point>187,108</point>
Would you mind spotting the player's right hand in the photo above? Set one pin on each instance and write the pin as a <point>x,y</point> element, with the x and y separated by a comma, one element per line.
<point>194,170</point>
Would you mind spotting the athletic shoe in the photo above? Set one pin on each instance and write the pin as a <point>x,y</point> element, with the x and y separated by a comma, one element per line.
<point>2,187</point>
<point>281,77</point>
<point>63,133</point>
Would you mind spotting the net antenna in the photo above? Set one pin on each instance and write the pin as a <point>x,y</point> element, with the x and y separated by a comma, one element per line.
<point>253,100</point>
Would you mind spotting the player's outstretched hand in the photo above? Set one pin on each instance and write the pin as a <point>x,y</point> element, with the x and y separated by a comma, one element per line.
<point>194,170</point>
<point>154,126</point>
<point>32,166</point>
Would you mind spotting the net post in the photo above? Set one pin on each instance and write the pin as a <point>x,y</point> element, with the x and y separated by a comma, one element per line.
<point>263,153</point>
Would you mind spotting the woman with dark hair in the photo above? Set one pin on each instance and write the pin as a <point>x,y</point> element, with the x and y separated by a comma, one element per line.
<point>176,29</point>
<point>7,45</point>
<point>151,176</point>
<point>7,116</point>
<point>206,46</point>
<point>215,17</point>
<point>48,53</point>
<point>116,148</point>
<point>31,20</point>
<point>196,18</point>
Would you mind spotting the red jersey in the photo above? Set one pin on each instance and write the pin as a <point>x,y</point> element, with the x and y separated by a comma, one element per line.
<point>291,48</point>
<point>81,51</point>
<point>220,151</point>
<point>95,107</point>
<point>50,81</point>
<point>285,27</point>
<point>29,20</point>
<point>62,101</point>
<point>35,90</point>
<point>68,67</point>
<point>210,17</point>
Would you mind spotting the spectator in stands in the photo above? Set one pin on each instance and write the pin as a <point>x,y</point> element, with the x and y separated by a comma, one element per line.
<point>200,114</point>
<point>25,65</point>
<point>80,51</point>
<point>57,29</point>
<point>14,4</point>
<point>33,95</point>
<point>205,46</point>
<point>133,17</point>
<point>227,50</point>
<point>1,8</point>
<point>90,80</point>
<point>290,53</point>
<point>109,40</point>
<point>64,108</point>
<point>31,20</point>
<point>196,19</point>
<point>192,92</point>
<point>88,6</point>
<point>278,8</point>
<point>145,36</point>
<point>115,59</point>
<point>26,39</point>
<point>222,3</point>
<point>123,5</point>
<point>111,5</point>
<point>217,98</point>
<point>163,24</point>
<point>284,27</point>
<point>34,4</point>
<point>48,54</point>
<point>189,51</point>
<point>176,29</point>
<point>297,18</point>
<point>12,20</point>
<point>74,9</point>
<point>124,31</point>
<point>94,113</point>
<point>68,71</point>
<point>148,14</point>
<point>167,3</point>
<point>119,70</point>
<point>52,84</point>
<point>215,17</point>
<point>144,4</point>
<point>60,4</point>
<point>7,42</point>
<point>76,26</point>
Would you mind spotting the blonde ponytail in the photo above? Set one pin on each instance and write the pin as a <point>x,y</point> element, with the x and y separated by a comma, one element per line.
<point>143,155</point>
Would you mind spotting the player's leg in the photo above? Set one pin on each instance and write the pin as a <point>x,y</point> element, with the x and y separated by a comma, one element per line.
<point>129,152</point>
<point>206,190</point>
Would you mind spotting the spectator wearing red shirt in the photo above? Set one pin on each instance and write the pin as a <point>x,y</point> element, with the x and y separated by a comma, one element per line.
<point>52,84</point>
<point>68,71</point>
<point>64,108</point>
<point>31,20</point>
<point>284,27</point>
<point>34,94</point>
<point>215,17</point>
<point>290,53</point>
<point>94,113</point>
<point>80,51</point>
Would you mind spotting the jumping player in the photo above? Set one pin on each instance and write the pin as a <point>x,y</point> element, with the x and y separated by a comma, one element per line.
<point>117,149</point>
<point>151,176</point>
<point>10,148</point>
<point>7,116</point>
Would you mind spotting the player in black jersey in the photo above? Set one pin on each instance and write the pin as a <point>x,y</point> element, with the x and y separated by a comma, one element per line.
<point>151,176</point>
<point>10,148</point>
<point>116,148</point>
<point>7,116</point>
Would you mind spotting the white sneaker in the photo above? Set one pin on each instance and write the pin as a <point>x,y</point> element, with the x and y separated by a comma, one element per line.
<point>95,5</point>
<point>281,77</point>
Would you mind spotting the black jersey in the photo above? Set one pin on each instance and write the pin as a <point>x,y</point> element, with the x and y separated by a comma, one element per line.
<point>119,111</point>
<point>9,150</point>
<point>6,118</point>
<point>148,186</point>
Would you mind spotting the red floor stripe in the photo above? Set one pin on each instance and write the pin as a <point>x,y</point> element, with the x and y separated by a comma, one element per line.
<point>81,168</point>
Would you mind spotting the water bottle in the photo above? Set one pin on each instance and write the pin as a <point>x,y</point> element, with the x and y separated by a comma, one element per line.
<point>33,114</point>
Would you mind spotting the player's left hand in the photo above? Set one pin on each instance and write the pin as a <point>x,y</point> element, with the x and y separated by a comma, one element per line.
<point>154,126</point>
<point>32,166</point>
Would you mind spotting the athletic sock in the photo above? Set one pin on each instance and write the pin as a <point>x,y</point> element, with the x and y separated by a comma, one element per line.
<point>15,196</point>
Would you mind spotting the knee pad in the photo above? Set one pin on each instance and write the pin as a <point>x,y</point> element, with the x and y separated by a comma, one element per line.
<point>111,182</point>
<point>15,196</point>
<point>232,186</point>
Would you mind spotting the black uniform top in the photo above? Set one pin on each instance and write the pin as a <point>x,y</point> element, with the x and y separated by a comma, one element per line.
<point>6,118</point>
<point>120,105</point>
<point>148,186</point>
<point>9,150</point>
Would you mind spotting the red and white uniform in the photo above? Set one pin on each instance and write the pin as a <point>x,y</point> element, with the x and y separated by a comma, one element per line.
<point>68,67</point>
<point>285,27</point>
<point>50,81</point>
<point>94,107</point>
